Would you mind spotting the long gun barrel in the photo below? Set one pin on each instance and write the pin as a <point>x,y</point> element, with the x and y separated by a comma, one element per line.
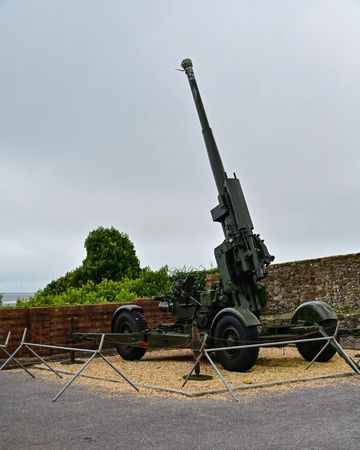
<point>213,152</point>
<point>242,257</point>
<point>223,183</point>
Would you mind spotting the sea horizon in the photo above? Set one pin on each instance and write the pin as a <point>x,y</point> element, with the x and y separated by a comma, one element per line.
<point>10,298</point>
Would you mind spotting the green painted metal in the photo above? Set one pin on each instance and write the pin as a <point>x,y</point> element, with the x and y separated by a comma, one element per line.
<point>129,308</point>
<point>242,258</point>
<point>246,317</point>
<point>229,309</point>
<point>313,312</point>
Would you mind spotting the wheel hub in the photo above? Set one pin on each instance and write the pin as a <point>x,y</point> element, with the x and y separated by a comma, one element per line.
<point>231,339</point>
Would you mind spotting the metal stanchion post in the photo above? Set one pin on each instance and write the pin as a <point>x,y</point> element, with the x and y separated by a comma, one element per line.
<point>342,353</point>
<point>12,355</point>
<point>72,354</point>
<point>221,377</point>
<point>326,345</point>
<point>197,361</point>
<point>78,373</point>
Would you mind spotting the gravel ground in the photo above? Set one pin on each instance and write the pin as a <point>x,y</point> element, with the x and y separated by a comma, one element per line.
<point>165,369</point>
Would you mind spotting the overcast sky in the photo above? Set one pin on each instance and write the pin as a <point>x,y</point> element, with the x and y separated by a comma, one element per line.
<point>98,129</point>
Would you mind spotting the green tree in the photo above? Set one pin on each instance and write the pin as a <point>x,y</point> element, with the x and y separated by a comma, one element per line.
<point>109,255</point>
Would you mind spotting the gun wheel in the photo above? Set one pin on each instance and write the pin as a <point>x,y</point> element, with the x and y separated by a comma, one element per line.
<point>230,332</point>
<point>308,350</point>
<point>129,322</point>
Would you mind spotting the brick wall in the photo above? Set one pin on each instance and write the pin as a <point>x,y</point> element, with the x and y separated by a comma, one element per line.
<point>51,325</point>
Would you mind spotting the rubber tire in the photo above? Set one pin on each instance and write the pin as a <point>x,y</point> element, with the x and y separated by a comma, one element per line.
<point>308,350</point>
<point>129,322</point>
<point>229,331</point>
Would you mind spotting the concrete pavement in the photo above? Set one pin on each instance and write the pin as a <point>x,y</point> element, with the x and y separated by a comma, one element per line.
<point>304,418</point>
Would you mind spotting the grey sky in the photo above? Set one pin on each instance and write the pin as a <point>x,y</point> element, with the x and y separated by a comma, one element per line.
<point>97,128</point>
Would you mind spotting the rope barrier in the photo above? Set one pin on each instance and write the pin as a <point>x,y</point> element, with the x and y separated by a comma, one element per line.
<point>203,352</point>
<point>94,353</point>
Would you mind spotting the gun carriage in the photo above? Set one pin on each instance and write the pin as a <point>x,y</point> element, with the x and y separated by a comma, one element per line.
<point>229,310</point>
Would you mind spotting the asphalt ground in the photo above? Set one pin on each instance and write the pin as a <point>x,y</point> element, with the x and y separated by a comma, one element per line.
<point>322,417</point>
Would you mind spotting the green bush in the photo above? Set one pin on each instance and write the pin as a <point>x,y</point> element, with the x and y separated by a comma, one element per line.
<point>199,275</point>
<point>72,279</point>
<point>149,283</point>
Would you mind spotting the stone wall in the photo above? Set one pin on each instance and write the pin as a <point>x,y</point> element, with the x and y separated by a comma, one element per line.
<point>335,280</point>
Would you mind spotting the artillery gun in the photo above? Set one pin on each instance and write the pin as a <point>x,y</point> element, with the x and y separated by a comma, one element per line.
<point>229,309</point>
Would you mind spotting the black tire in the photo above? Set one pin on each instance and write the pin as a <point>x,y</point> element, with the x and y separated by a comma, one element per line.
<point>229,331</point>
<point>129,322</point>
<point>308,350</point>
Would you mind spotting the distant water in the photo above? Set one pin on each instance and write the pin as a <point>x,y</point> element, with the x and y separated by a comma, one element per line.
<point>9,298</point>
